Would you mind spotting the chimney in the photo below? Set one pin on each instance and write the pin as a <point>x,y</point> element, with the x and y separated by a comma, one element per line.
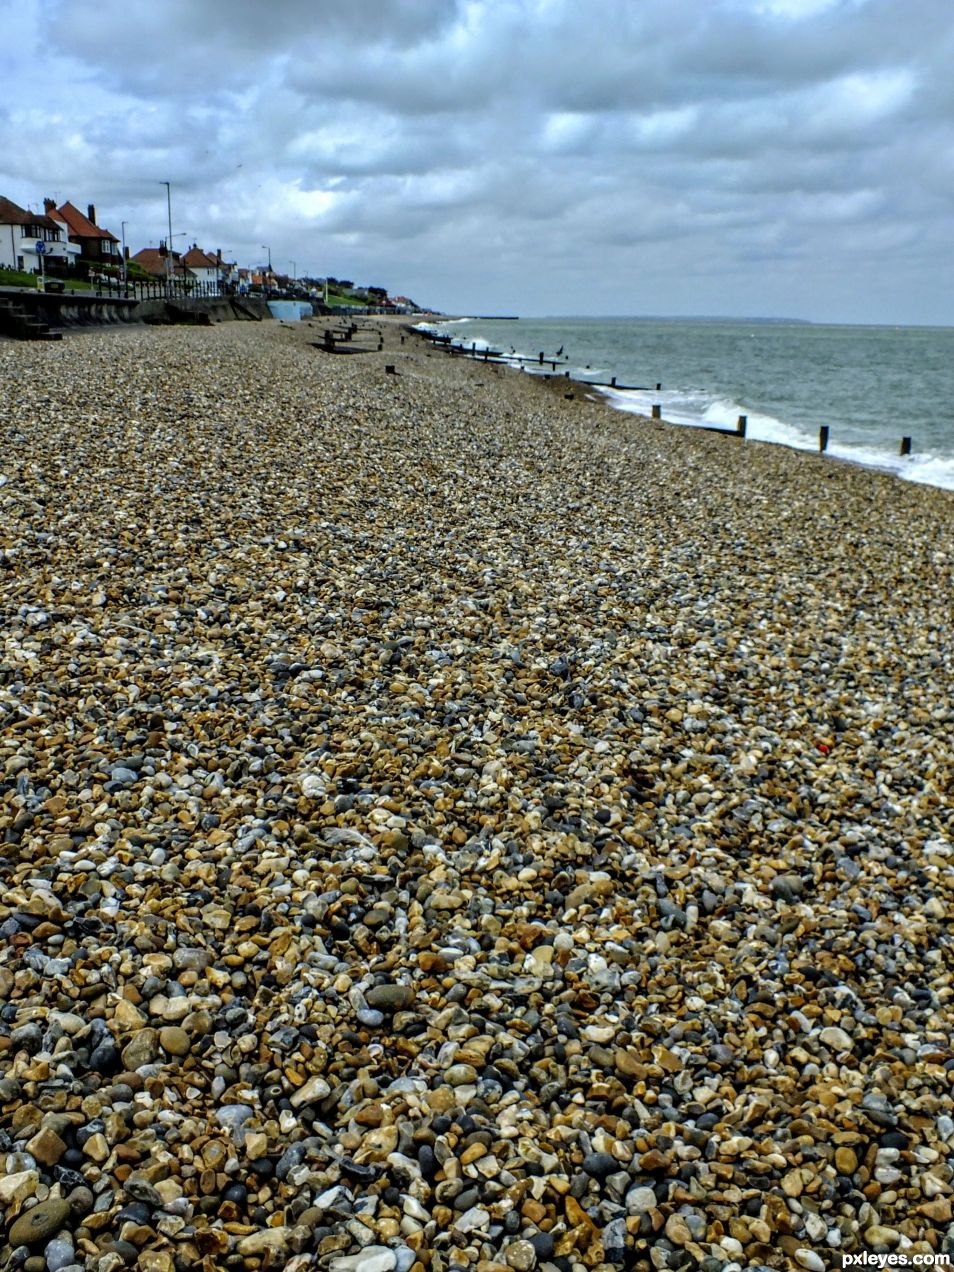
<point>49,206</point>
<point>91,212</point>
<point>163,251</point>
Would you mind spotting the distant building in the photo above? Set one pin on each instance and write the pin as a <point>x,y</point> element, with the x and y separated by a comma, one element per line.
<point>98,247</point>
<point>228,270</point>
<point>155,261</point>
<point>201,266</point>
<point>21,230</point>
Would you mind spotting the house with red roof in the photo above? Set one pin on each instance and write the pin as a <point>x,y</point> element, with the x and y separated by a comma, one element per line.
<point>155,261</point>
<point>98,247</point>
<point>201,266</point>
<point>20,232</point>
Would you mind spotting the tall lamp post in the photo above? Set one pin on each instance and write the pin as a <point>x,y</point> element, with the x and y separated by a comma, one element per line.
<point>168,185</point>
<point>266,248</point>
<point>125,271</point>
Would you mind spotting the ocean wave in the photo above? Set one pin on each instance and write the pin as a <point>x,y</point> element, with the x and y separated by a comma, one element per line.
<point>693,409</point>
<point>439,326</point>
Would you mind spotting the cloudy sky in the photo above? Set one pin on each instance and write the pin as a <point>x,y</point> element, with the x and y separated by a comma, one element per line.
<point>738,157</point>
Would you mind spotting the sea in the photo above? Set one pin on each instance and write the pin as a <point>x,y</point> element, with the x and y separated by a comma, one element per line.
<point>871,386</point>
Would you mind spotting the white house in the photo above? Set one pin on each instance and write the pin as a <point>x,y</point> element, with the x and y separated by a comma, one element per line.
<point>203,267</point>
<point>21,230</point>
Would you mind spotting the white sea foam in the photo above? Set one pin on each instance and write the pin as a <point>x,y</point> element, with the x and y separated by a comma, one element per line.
<point>439,326</point>
<point>694,410</point>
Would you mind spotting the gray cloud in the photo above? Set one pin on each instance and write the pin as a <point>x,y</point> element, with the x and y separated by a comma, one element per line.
<point>758,156</point>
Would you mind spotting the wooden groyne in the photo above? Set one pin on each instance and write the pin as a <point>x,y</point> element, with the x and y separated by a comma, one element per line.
<point>462,349</point>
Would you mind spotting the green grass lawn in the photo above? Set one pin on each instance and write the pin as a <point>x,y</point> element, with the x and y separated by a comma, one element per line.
<point>20,278</point>
<point>339,299</point>
<point>16,278</point>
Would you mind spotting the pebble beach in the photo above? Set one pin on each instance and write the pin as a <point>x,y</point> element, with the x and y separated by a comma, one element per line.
<point>448,824</point>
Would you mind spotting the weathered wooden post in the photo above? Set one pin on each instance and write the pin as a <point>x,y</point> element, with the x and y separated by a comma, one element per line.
<point>741,425</point>
<point>658,387</point>
<point>657,411</point>
<point>823,439</point>
<point>390,370</point>
<point>905,446</point>
<point>541,357</point>
<point>613,382</point>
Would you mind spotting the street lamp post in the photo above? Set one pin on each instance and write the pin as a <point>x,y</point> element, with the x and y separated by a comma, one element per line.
<point>266,248</point>
<point>168,186</point>
<point>294,266</point>
<point>125,271</point>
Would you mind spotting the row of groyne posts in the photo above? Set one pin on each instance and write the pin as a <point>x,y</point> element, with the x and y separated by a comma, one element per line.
<point>498,356</point>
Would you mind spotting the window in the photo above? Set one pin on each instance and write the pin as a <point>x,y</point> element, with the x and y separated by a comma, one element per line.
<point>40,232</point>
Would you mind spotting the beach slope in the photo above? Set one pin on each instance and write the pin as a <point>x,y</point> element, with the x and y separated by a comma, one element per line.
<point>448,823</point>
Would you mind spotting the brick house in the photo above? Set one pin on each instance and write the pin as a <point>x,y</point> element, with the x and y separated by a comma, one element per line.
<point>97,246</point>
<point>155,261</point>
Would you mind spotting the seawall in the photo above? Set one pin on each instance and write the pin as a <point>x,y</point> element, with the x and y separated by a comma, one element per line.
<point>201,312</point>
<point>83,309</point>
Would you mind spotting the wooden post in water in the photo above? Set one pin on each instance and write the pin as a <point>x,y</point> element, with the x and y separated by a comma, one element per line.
<point>657,411</point>
<point>741,425</point>
<point>905,446</point>
<point>823,439</point>
<point>613,382</point>
<point>658,387</point>
<point>541,357</point>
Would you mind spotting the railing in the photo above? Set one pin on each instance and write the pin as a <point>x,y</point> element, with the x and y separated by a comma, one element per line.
<point>158,289</point>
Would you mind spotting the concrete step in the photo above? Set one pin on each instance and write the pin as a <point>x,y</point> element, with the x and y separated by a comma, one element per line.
<point>16,322</point>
